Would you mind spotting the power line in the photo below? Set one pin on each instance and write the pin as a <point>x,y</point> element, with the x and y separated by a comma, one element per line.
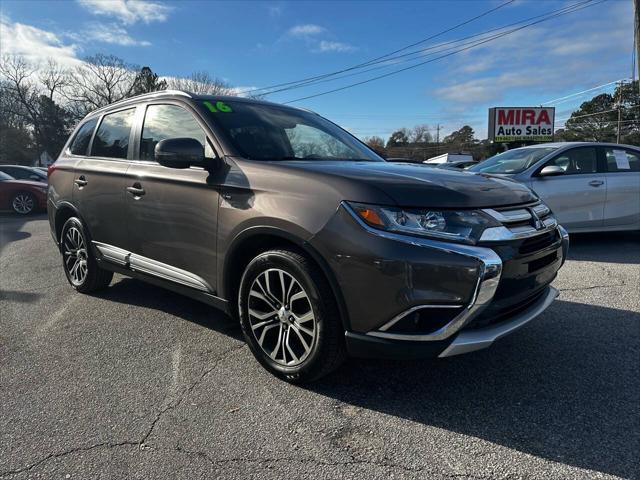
<point>404,57</point>
<point>443,56</point>
<point>561,99</point>
<point>611,121</point>
<point>599,113</point>
<point>368,62</point>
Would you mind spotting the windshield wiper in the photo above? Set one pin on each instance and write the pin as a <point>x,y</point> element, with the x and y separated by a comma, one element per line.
<point>338,159</point>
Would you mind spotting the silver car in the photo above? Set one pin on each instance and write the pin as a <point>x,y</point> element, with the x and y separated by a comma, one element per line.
<point>589,186</point>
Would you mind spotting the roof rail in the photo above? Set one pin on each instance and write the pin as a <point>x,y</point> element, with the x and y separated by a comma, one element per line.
<point>158,93</point>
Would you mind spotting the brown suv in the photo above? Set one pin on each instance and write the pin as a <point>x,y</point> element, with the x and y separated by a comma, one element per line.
<point>281,218</point>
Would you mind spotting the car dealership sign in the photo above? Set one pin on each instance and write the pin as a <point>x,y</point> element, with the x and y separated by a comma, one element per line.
<point>521,124</point>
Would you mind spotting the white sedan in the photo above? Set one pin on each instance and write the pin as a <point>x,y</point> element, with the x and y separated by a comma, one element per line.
<point>589,186</point>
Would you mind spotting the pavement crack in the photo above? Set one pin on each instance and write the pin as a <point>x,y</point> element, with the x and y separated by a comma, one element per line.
<point>186,392</point>
<point>140,444</point>
<point>64,453</point>
<point>385,463</point>
<point>591,287</point>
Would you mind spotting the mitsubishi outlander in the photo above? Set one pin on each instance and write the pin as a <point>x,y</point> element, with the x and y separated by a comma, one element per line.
<point>285,221</point>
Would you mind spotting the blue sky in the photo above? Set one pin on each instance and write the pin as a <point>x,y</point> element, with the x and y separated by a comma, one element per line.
<point>261,43</point>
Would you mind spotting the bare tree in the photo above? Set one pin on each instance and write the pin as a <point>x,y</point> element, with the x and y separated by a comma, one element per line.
<point>28,109</point>
<point>420,134</point>
<point>17,75</point>
<point>201,83</point>
<point>375,143</point>
<point>99,81</point>
<point>54,77</point>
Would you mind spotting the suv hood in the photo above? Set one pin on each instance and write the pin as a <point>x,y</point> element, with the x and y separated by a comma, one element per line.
<point>411,185</point>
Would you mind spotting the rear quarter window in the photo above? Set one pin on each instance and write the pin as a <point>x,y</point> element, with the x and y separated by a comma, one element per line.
<point>80,143</point>
<point>622,160</point>
<point>112,138</point>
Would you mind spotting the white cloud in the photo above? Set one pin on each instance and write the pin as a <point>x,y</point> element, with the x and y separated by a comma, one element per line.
<point>128,11</point>
<point>328,46</point>
<point>36,45</point>
<point>487,89</point>
<point>108,33</point>
<point>306,30</point>
<point>542,60</point>
<point>311,36</point>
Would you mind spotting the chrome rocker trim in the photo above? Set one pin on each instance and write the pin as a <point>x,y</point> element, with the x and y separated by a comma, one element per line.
<point>138,263</point>
<point>471,340</point>
<point>489,272</point>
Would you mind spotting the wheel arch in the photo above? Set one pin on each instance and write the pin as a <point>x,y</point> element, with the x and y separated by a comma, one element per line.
<point>64,211</point>
<point>256,240</point>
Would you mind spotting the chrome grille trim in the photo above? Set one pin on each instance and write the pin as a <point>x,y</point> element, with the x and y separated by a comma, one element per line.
<point>541,210</point>
<point>509,216</point>
<point>507,231</point>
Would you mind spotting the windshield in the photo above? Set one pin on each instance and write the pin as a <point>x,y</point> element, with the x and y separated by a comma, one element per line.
<point>4,177</point>
<point>512,161</point>
<point>265,132</point>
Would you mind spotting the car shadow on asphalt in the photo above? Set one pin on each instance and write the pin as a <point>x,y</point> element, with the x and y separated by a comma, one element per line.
<point>131,291</point>
<point>614,247</point>
<point>569,396</point>
<point>564,388</point>
<point>11,225</point>
<point>19,297</point>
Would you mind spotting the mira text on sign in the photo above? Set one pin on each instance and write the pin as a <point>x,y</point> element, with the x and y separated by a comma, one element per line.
<point>521,124</point>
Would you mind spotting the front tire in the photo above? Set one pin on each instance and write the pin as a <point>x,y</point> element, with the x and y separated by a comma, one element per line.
<point>23,203</point>
<point>289,316</point>
<point>80,266</point>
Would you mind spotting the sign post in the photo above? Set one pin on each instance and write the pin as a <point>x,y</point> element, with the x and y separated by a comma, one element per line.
<point>521,124</point>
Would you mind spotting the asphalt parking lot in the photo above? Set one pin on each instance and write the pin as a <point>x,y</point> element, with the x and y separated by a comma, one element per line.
<point>138,382</point>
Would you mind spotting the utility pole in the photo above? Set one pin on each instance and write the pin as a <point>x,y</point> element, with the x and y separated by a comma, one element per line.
<point>620,84</point>
<point>438,136</point>
<point>637,33</point>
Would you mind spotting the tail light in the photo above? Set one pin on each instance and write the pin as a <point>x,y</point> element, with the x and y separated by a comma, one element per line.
<point>50,169</point>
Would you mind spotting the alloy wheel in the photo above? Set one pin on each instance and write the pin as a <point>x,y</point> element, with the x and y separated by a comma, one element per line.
<point>281,317</point>
<point>75,255</point>
<point>23,203</point>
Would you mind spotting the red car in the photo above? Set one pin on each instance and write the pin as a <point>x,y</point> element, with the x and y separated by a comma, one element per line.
<point>22,196</point>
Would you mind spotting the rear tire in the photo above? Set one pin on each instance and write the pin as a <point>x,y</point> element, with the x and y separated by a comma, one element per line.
<point>289,316</point>
<point>23,203</point>
<point>80,265</point>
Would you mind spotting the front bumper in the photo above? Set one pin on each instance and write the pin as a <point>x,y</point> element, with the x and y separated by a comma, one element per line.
<point>367,346</point>
<point>471,340</point>
<point>468,296</point>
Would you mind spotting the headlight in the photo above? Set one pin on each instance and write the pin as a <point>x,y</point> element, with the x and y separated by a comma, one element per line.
<point>458,225</point>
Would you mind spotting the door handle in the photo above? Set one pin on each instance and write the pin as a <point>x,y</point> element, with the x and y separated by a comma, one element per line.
<point>136,190</point>
<point>596,183</point>
<point>81,181</point>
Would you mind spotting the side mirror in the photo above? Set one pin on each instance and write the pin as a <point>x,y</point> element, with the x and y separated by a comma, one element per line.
<point>179,153</point>
<point>551,171</point>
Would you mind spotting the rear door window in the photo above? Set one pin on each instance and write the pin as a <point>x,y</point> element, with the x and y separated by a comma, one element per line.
<point>112,137</point>
<point>622,160</point>
<point>81,141</point>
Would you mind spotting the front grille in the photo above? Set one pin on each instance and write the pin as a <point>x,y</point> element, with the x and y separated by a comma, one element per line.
<point>540,263</point>
<point>540,242</point>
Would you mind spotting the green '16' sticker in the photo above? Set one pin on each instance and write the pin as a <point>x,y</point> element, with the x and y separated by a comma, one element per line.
<point>219,107</point>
